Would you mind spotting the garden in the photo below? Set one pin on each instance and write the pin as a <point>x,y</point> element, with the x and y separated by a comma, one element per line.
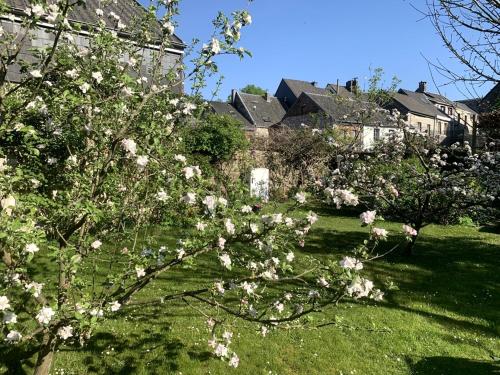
<point>127,246</point>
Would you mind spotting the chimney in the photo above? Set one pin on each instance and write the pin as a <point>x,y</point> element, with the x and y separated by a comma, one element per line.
<point>352,85</point>
<point>233,95</point>
<point>267,96</point>
<point>422,86</point>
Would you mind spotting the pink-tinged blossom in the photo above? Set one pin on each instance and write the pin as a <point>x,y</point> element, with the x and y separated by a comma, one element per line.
<point>359,287</point>
<point>45,315</point>
<point>409,231</point>
<point>221,242</point>
<point>342,197</point>
<point>230,228</point>
<point>379,233</point>
<point>368,217</point>
<point>323,283</point>
<point>219,287</point>
<point>221,350</point>
<point>351,263</point>
<point>234,361</point>
<point>210,202</point>
<point>4,303</point>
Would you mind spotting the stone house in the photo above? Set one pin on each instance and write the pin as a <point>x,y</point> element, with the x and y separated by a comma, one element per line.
<point>256,113</point>
<point>127,12</point>
<point>435,114</point>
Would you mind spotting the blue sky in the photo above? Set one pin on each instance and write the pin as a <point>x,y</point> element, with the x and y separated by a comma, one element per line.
<point>324,40</point>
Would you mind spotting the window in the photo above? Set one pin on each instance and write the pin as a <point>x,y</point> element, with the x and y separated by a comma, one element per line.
<point>419,124</point>
<point>459,118</point>
<point>443,108</point>
<point>376,134</point>
<point>465,119</point>
<point>439,127</point>
<point>429,129</point>
<point>450,110</point>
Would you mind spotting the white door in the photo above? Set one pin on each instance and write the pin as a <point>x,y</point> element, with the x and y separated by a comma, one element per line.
<point>259,183</point>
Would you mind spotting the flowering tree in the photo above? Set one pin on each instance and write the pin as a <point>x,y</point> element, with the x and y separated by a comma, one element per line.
<point>89,162</point>
<point>411,178</point>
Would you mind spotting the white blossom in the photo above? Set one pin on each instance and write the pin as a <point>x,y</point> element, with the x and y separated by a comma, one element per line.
<point>234,361</point>
<point>8,204</point>
<point>368,217</point>
<point>96,244</point>
<point>115,306</point>
<point>4,303</point>
<point>142,161</point>
<point>9,317</point>
<point>65,332</point>
<point>189,198</point>
<point>140,272</point>
<point>379,233</point>
<point>97,76</point>
<point>13,336</point>
<point>225,260</point>
<point>215,46</point>
<point>300,197</point>
<point>31,248</point>
<point>36,73</point>
<point>45,315</point>
<point>409,231</point>
<point>129,146</point>
<point>351,263</point>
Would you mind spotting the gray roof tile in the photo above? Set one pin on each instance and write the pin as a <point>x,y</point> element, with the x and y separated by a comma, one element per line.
<point>265,113</point>
<point>224,108</point>
<point>128,10</point>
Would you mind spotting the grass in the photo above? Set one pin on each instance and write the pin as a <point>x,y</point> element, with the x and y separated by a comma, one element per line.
<point>444,319</point>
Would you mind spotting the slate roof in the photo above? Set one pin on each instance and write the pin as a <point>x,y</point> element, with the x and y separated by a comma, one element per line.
<point>464,106</point>
<point>264,113</point>
<point>128,10</point>
<point>224,108</point>
<point>298,87</point>
<point>472,104</point>
<point>344,110</point>
<point>417,102</point>
<point>332,87</point>
<point>439,98</point>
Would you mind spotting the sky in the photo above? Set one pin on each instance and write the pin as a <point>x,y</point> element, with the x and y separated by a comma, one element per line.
<point>324,40</point>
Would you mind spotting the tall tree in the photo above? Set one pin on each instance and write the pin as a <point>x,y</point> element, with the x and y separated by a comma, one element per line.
<point>470,30</point>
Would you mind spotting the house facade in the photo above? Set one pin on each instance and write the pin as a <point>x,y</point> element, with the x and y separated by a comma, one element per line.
<point>117,16</point>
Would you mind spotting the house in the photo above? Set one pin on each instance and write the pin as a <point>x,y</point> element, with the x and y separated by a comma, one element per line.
<point>225,108</point>
<point>116,15</point>
<point>259,112</point>
<point>289,91</point>
<point>363,122</point>
<point>491,100</point>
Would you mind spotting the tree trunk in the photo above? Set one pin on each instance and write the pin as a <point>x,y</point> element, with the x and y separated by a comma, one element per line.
<point>411,244</point>
<point>45,356</point>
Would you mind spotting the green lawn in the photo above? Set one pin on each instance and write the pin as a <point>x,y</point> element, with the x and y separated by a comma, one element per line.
<point>444,319</point>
